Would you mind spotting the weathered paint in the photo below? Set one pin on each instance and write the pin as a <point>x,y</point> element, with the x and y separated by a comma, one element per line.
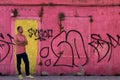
<point>81,2</point>
<point>90,38</point>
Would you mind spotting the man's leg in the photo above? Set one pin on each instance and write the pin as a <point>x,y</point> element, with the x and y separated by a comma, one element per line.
<point>26,61</point>
<point>18,63</point>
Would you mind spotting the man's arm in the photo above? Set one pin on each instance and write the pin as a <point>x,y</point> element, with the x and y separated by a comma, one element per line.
<point>25,42</point>
<point>21,43</point>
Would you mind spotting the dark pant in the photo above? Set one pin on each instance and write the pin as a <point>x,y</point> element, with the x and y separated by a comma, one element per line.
<point>26,61</point>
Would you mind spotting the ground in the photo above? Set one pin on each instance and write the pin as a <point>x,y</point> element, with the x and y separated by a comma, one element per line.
<point>63,78</point>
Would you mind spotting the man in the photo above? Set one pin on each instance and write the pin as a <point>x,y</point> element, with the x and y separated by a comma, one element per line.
<point>21,42</point>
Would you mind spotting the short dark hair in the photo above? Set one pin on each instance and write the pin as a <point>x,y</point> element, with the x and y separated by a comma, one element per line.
<point>19,27</point>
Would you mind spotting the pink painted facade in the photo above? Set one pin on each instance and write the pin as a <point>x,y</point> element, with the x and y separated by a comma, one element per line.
<point>85,2</point>
<point>90,36</point>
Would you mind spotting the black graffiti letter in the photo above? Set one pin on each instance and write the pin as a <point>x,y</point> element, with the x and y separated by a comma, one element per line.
<point>1,36</point>
<point>97,41</point>
<point>30,32</point>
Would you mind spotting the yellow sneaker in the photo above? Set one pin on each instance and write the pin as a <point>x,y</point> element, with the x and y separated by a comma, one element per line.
<point>29,76</point>
<point>20,77</point>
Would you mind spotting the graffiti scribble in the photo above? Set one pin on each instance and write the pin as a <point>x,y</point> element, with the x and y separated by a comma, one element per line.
<point>99,42</point>
<point>102,47</point>
<point>6,45</point>
<point>41,34</point>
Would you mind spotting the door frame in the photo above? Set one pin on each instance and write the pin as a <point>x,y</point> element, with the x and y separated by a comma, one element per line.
<point>13,69</point>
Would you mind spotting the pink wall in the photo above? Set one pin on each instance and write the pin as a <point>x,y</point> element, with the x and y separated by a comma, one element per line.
<point>96,43</point>
<point>84,2</point>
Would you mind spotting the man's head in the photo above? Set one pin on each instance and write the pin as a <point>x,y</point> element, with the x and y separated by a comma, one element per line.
<point>20,29</point>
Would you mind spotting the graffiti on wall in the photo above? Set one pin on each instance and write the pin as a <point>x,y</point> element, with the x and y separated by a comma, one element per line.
<point>97,43</point>
<point>40,34</point>
<point>71,44</point>
<point>103,48</point>
<point>5,46</point>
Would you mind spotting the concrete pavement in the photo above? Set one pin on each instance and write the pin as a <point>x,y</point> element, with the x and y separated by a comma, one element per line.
<point>63,78</point>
